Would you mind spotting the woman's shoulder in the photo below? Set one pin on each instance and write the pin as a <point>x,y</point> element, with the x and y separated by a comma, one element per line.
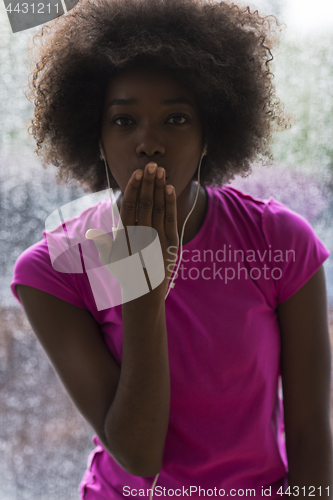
<point>261,211</point>
<point>269,222</point>
<point>53,263</point>
<point>65,228</point>
<point>288,240</point>
<point>34,257</point>
<point>231,195</point>
<point>235,208</point>
<point>34,268</point>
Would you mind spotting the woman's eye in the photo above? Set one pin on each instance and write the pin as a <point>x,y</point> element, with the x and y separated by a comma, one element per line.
<point>178,119</point>
<point>122,120</point>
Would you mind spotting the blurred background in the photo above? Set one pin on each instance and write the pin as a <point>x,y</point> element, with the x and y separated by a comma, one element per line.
<point>44,442</point>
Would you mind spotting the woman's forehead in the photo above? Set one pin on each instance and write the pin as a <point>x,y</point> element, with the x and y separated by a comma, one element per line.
<point>134,82</point>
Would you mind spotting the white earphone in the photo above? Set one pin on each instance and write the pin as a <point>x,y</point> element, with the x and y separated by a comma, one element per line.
<point>172,284</point>
<point>101,150</point>
<point>204,150</point>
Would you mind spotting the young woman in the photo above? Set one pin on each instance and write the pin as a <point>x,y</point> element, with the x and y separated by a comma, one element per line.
<point>184,384</point>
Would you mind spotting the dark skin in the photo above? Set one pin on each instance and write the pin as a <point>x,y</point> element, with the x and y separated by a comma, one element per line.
<point>128,406</point>
<point>306,374</point>
<point>153,129</point>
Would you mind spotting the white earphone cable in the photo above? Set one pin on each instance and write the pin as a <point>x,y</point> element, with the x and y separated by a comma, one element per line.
<point>172,284</point>
<point>102,155</point>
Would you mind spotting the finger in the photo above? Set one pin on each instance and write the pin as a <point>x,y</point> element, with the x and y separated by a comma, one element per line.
<point>159,201</point>
<point>170,221</point>
<point>130,199</point>
<point>146,195</point>
<point>103,242</point>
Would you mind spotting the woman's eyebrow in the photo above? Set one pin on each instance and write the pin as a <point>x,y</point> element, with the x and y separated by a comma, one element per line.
<point>165,102</point>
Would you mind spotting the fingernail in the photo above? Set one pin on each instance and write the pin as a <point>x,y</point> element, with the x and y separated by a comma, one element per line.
<point>138,175</point>
<point>152,167</point>
<point>159,173</point>
<point>169,189</point>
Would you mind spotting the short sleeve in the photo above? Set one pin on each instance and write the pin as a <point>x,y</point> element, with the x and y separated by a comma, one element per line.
<point>295,251</point>
<point>33,268</point>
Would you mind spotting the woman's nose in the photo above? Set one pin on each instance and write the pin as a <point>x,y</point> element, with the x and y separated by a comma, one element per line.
<point>150,145</point>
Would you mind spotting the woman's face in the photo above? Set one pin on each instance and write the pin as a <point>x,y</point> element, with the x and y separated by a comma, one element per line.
<point>151,116</point>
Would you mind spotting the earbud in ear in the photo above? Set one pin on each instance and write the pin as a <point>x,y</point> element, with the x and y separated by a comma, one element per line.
<point>101,150</point>
<point>204,150</point>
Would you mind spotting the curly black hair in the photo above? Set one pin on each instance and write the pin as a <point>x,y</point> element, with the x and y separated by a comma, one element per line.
<point>220,51</point>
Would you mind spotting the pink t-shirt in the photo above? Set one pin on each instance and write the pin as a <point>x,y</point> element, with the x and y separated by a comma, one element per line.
<point>226,431</point>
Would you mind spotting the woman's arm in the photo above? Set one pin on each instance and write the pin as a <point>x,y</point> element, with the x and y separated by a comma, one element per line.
<point>143,392</point>
<point>306,376</point>
<point>128,407</point>
<point>137,421</point>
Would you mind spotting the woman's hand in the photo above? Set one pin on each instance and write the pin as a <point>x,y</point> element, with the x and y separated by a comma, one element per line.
<point>146,202</point>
